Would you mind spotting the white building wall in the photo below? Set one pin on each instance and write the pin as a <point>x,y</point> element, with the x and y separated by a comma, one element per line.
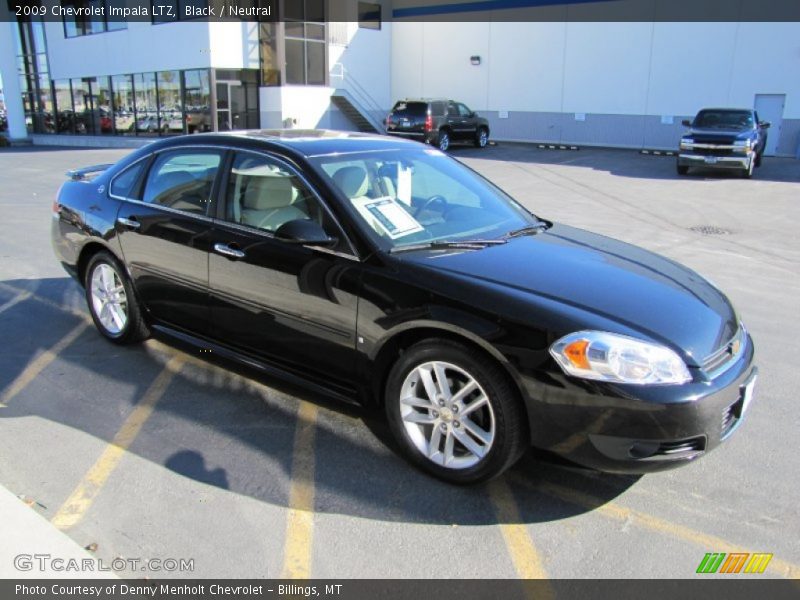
<point>629,83</point>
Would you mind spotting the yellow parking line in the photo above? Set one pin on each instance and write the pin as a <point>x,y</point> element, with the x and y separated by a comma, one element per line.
<point>39,363</point>
<point>16,300</point>
<point>647,521</point>
<point>524,555</point>
<point>300,518</point>
<point>82,498</point>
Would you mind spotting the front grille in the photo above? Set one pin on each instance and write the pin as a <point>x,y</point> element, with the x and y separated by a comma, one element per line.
<point>725,354</point>
<point>696,444</point>
<point>713,151</point>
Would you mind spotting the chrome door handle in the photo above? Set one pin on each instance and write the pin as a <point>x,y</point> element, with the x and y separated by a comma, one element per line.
<point>226,250</point>
<point>129,223</point>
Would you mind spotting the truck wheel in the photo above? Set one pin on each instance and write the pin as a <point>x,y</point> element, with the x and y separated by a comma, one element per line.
<point>758,159</point>
<point>443,141</point>
<point>481,137</point>
<point>682,170</point>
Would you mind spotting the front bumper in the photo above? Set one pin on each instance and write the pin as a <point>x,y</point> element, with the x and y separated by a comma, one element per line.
<point>733,161</point>
<point>639,429</point>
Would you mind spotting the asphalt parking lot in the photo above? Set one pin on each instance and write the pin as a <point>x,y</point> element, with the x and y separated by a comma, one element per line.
<point>159,451</point>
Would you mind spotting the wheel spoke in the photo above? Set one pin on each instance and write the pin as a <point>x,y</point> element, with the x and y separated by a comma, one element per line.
<point>416,402</point>
<point>465,391</point>
<point>428,383</point>
<point>117,315</point>
<point>433,442</point>
<point>469,443</point>
<point>475,405</point>
<point>441,380</point>
<point>448,447</point>
<point>418,417</point>
<point>483,436</point>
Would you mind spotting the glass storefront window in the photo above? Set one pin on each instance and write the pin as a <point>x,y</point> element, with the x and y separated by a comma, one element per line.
<point>82,103</point>
<point>123,104</point>
<point>198,101</point>
<point>64,111</point>
<point>170,103</point>
<point>101,106</point>
<point>146,103</point>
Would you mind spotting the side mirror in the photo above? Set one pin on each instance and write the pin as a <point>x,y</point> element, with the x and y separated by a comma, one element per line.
<point>473,114</point>
<point>686,123</point>
<point>764,124</point>
<point>305,232</point>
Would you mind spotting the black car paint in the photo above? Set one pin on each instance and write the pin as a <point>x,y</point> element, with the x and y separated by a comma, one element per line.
<point>344,317</point>
<point>459,127</point>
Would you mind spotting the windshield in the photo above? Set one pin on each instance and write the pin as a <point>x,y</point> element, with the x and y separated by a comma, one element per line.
<point>415,196</point>
<point>724,119</point>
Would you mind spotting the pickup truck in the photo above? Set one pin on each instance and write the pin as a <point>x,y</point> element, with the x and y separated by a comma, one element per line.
<point>723,138</point>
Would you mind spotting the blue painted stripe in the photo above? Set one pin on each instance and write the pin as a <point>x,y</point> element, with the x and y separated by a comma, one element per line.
<point>480,6</point>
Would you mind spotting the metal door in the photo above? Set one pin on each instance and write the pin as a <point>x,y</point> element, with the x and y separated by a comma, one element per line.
<point>770,108</point>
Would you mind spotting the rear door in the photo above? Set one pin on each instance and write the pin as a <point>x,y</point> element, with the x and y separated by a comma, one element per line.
<point>164,229</point>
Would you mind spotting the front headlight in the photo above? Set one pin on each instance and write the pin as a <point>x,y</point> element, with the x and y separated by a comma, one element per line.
<point>618,358</point>
<point>742,145</point>
<point>687,143</point>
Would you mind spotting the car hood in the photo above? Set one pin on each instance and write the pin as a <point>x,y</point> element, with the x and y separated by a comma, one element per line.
<point>640,291</point>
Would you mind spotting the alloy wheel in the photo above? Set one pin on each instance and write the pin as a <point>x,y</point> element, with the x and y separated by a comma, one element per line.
<point>447,415</point>
<point>109,300</point>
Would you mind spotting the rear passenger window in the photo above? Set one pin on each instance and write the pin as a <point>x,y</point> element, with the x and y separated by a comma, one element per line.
<point>182,180</point>
<point>122,183</point>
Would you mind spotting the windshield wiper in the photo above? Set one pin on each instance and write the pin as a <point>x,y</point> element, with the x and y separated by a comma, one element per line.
<point>529,230</point>
<point>445,244</point>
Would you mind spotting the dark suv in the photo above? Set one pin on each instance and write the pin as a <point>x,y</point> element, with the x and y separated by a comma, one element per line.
<point>723,138</point>
<point>438,122</point>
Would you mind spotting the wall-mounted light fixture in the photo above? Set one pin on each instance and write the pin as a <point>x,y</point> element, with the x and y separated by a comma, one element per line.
<point>475,60</point>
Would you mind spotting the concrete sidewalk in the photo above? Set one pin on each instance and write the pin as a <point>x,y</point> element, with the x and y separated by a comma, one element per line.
<point>32,548</point>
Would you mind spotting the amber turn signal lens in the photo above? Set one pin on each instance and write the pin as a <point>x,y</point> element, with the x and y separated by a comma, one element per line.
<point>576,353</point>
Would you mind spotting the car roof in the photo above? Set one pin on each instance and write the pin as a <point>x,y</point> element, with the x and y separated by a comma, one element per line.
<point>728,109</point>
<point>306,142</point>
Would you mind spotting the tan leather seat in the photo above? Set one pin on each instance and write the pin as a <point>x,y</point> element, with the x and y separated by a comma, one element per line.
<point>267,202</point>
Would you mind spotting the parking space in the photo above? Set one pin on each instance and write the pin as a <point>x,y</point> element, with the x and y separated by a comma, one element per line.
<point>162,451</point>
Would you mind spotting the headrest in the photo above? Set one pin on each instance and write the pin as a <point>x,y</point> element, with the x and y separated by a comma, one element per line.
<point>352,181</point>
<point>265,193</point>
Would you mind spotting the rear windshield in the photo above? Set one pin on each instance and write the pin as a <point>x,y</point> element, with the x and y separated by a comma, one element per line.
<point>410,109</point>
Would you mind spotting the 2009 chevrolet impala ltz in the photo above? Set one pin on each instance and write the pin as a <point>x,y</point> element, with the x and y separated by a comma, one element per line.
<point>383,271</point>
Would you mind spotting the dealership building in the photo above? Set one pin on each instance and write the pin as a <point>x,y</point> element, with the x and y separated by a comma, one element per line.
<point>559,75</point>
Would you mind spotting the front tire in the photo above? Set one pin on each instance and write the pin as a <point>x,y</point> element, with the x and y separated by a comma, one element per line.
<point>454,413</point>
<point>682,170</point>
<point>748,172</point>
<point>111,301</point>
<point>481,137</point>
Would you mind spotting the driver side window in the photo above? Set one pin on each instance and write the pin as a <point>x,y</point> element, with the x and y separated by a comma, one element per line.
<point>263,194</point>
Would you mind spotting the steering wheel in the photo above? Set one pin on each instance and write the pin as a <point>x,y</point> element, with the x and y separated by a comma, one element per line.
<point>436,199</point>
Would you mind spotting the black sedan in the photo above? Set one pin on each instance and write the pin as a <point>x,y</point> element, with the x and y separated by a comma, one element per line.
<point>381,271</point>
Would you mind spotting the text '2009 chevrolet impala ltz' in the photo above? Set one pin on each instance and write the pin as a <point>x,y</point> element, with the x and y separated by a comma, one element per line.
<point>383,271</point>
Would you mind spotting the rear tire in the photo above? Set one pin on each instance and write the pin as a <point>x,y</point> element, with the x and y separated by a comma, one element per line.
<point>111,301</point>
<point>682,170</point>
<point>466,430</point>
<point>443,141</point>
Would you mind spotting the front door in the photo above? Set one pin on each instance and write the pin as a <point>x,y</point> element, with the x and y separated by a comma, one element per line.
<point>165,233</point>
<point>770,108</point>
<point>284,302</point>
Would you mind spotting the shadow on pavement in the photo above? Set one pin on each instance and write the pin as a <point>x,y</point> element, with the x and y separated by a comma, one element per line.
<point>225,425</point>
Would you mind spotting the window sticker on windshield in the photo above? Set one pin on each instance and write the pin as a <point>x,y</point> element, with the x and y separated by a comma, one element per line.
<point>388,216</point>
<point>404,185</point>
